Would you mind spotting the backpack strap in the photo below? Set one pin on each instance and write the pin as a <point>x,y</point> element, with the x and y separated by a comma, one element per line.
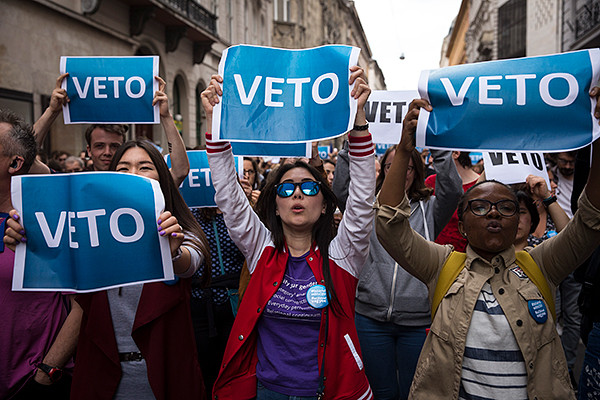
<point>450,270</point>
<point>456,262</point>
<point>533,272</point>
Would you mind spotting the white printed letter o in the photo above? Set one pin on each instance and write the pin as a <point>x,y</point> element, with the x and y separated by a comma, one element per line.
<point>545,91</point>
<point>315,89</point>
<point>142,87</point>
<point>114,225</point>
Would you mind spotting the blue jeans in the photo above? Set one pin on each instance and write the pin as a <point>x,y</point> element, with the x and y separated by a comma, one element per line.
<point>390,354</point>
<point>589,382</point>
<point>262,393</point>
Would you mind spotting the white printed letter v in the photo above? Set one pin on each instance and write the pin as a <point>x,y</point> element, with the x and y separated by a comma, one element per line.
<point>246,99</point>
<point>51,240</point>
<point>455,99</point>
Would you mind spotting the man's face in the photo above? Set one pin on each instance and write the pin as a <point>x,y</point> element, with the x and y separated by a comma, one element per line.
<point>102,148</point>
<point>566,164</point>
<point>73,166</point>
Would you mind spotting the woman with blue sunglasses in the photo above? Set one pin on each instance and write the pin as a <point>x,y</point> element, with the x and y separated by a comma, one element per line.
<point>294,335</point>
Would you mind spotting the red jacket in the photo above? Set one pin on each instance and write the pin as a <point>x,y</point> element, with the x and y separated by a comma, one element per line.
<point>163,332</point>
<point>343,369</point>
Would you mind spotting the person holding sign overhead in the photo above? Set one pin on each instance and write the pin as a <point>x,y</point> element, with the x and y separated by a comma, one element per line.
<point>493,333</point>
<point>137,341</point>
<point>294,335</point>
<point>103,140</point>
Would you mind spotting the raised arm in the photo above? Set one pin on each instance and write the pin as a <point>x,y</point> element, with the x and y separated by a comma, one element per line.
<point>564,252</point>
<point>180,165</point>
<point>59,97</point>
<point>394,186</point>
<point>418,256</point>
<point>352,241</point>
<point>539,191</point>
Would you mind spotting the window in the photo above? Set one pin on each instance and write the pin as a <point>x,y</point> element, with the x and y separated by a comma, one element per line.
<point>282,10</point>
<point>18,102</point>
<point>512,29</point>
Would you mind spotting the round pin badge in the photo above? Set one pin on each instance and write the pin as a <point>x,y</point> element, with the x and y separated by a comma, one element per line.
<point>538,311</point>
<point>172,281</point>
<point>316,296</point>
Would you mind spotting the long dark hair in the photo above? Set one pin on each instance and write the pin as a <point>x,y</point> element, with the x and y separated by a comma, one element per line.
<point>417,191</point>
<point>173,200</point>
<point>525,198</point>
<point>323,231</point>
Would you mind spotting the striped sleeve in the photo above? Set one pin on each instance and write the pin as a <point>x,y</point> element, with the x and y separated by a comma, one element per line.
<point>360,146</point>
<point>214,146</point>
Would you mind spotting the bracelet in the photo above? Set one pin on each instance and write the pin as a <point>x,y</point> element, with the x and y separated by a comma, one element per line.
<point>547,201</point>
<point>54,373</point>
<point>361,127</point>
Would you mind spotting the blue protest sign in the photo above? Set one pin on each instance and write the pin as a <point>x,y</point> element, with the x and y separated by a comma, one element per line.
<point>110,90</point>
<point>197,188</point>
<point>381,148</point>
<point>89,231</point>
<point>324,152</point>
<point>297,96</point>
<point>526,104</point>
<point>250,149</point>
<point>475,156</point>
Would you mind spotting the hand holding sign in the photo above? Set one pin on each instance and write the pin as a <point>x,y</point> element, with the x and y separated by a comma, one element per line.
<point>14,233</point>
<point>537,187</point>
<point>59,97</point>
<point>409,126</point>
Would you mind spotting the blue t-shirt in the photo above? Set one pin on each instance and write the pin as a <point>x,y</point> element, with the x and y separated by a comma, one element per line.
<point>288,335</point>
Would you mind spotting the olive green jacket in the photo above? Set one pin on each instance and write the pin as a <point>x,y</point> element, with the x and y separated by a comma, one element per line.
<point>438,373</point>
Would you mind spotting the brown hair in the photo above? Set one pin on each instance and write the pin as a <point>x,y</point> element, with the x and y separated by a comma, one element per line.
<point>118,129</point>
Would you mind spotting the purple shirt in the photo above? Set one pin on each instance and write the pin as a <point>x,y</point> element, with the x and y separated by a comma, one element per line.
<point>288,335</point>
<point>31,321</point>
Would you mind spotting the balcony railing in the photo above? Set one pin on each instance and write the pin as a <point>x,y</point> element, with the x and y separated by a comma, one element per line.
<point>587,18</point>
<point>194,12</point>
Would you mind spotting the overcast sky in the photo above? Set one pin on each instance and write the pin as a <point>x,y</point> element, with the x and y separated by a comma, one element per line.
<point>413,27</point>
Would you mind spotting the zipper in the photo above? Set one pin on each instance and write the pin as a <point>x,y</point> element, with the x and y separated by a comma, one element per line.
<point>393,293</point>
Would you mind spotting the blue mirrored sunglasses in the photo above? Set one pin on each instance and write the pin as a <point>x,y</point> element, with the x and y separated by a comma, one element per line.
<point>309,188</point>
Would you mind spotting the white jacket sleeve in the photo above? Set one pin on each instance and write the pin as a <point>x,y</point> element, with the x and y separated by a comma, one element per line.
<point>245,228</point>
<point>350,247</point>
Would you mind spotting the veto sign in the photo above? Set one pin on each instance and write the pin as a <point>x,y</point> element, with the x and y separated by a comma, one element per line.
<point>251,149</point>
<point>110,89</point>
<point>514,167</point>
<point>197,189</point>
<point>526,104</point>
<point>385,111</point>
<point>88,232</point>
<point>276,95</point>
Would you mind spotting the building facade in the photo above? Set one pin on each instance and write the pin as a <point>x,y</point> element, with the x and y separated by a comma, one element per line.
<point>500,29</point>
<point>188,35</point>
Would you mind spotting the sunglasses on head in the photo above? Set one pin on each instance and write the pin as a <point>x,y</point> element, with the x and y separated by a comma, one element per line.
<point>309,188</point>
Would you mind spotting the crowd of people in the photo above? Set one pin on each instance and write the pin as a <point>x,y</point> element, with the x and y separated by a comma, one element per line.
<point>354,277</point>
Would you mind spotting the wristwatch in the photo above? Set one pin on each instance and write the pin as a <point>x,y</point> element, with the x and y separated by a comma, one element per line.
<point>54,373</point>
<point>549,200</point>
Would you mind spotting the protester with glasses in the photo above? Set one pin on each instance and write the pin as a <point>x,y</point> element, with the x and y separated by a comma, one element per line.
<point>493,335</point>
<point>294,335</point>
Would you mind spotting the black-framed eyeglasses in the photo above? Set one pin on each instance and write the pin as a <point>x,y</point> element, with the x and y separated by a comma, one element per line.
<point>482,207</point>
<point>249,172</point>
<point>309,188</point>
